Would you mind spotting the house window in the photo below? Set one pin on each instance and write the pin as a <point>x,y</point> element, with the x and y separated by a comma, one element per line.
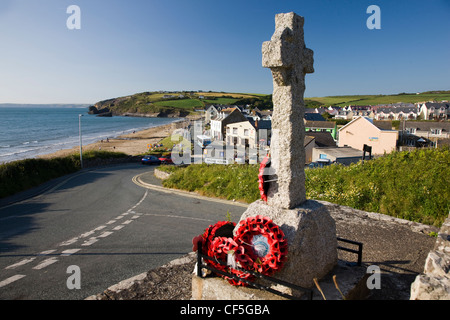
<point>436,131</point>
<point>411,130</point>
<point>235,130</point>
<point>246,132</point>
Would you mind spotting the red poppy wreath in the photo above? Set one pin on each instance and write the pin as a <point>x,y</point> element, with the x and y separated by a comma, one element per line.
<point>263,185</point>
<point>265,243</point>
<point>259,245</point>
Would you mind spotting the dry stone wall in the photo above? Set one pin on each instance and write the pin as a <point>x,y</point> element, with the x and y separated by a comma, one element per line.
<point>434,283</point>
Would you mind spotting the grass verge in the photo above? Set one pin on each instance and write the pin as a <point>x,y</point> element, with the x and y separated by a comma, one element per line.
<point>22,175</point>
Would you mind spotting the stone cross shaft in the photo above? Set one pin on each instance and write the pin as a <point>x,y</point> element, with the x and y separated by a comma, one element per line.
<point>289,60</point>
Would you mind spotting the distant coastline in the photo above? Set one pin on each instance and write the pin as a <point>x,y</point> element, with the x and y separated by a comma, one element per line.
<point>30,105</point>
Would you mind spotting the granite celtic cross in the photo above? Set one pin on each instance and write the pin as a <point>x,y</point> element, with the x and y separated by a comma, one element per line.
<point>289,60</point>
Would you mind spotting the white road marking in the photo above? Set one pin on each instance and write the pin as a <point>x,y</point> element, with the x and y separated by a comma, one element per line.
<point>45,263</point>
<point>118,227</point>
<point>127,222</point>
<point>47,252</point>
<point>105,234</point>
<point>174,216</point>
<point>69,242</point>
<point>69,252</point>
<point>89,242</point>
<point>20,263</point>
<point>11,280</point>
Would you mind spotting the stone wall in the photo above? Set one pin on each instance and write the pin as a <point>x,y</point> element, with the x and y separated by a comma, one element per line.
<point>434,283</point>
<point>161,174</point>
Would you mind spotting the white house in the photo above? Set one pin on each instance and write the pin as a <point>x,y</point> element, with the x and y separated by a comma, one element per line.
<point>434,110</point>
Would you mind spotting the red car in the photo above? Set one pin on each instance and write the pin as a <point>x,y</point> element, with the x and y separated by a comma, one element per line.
<point>166,160</point>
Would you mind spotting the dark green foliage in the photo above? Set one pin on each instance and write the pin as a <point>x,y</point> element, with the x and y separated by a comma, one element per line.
<point>408,185</point>
<point>22,175</point>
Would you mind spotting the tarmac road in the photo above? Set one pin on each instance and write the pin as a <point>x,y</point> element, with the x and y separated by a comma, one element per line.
<point>93,229</point>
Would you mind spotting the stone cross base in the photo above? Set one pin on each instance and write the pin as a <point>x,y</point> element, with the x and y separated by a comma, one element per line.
<point>311,235</point>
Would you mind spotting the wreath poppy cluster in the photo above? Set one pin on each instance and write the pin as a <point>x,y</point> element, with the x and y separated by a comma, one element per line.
<point>259,246</point>
<point>263,185</point>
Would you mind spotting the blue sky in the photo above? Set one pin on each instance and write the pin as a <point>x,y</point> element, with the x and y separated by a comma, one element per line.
<point>126,47</point>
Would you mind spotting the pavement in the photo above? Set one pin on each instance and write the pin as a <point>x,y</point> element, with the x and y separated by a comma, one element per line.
<point>397,247</point>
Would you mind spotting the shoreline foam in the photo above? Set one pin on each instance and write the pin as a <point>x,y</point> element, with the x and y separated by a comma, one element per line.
<point>132,144</point>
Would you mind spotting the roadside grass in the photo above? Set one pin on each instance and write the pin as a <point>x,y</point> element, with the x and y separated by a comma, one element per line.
<point>231,182</point>
<point>22,175</point>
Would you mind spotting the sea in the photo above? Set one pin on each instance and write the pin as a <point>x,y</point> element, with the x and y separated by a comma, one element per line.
<point>27,132</point>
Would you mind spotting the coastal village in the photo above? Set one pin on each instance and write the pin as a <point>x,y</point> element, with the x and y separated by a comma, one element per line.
<point>333,134</point>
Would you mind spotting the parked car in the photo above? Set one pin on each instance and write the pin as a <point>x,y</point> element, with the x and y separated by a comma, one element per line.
<point>150,160</point>
<point>166,160</point>
<point>319,164</point>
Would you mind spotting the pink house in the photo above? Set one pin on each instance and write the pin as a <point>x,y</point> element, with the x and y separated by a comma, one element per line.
<point>363,131</point>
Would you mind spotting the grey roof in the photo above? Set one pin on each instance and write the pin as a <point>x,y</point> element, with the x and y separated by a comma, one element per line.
<point>314,117</point>
<point>428,125</point>
<point>342,152</point>
<point>438,105</point>
<point>262,124</point>
<point>323,139</point>
<point>320,124</point>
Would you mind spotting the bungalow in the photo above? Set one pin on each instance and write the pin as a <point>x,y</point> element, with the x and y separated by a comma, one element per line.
<point>364,131</point>
<point>316,140</point>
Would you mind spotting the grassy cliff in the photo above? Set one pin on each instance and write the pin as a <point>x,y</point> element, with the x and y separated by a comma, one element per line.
<point>173,104</point>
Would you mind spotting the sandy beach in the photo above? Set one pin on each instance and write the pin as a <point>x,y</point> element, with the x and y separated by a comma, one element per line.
<point>132,144</point>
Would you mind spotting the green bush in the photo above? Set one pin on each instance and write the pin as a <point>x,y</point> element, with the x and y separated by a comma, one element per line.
<point>408,185</point>
<point>238,182</point>
<point>24,174</point>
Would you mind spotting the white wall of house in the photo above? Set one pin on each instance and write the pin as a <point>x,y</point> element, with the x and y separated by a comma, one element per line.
<point>240,133</point>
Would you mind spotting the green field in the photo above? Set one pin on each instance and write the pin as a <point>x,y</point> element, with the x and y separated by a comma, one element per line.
<point>154,102</point>
<point>180,103</point>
